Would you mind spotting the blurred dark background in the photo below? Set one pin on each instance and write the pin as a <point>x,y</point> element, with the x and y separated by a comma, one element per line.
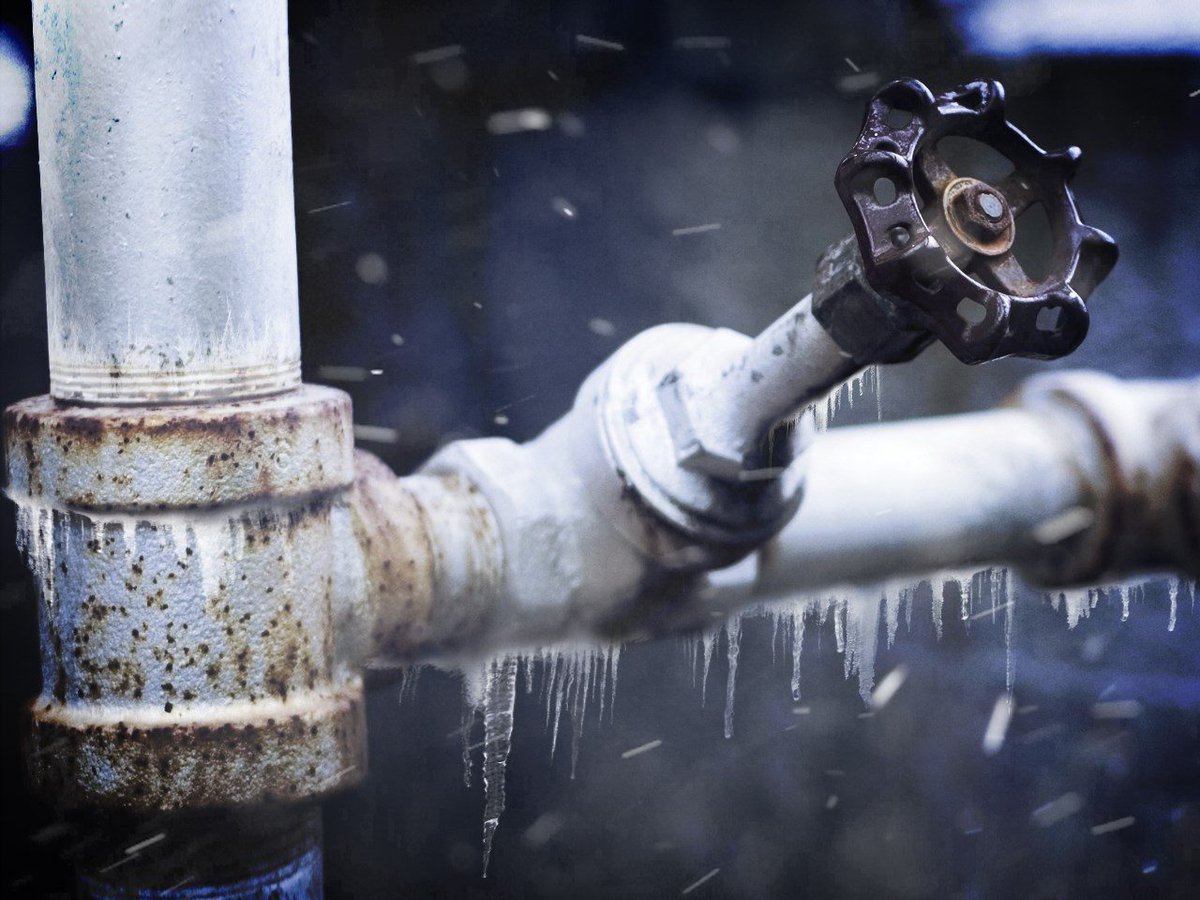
<point>490,197</point>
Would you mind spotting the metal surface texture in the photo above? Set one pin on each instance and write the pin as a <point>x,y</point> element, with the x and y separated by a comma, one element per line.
<point>578,546</point>
<point>670,449</point>
<point>171,457</point>
<point>1141,441</point>
<point>164,132</point>
<point>1084,478</point>
<point>433,561</point>
<point>864,324</point>
<point>942,244</point>
<point>191,564</point>
<point>733,390</point>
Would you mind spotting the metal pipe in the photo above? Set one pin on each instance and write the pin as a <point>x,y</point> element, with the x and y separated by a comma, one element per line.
<point>735,398</point>
<point>240,854</point>
<point>911,497</point>
<point>1089,478</point>
<point>166,168</point>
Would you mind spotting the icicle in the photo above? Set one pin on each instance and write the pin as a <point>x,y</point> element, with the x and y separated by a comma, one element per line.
<point>497,740</point>
<point>1010,662</point>
<point>605,663</point>
<point>798,618</point>
<point>35,538</point>
<point>527,664</point>
<point>938,590</point>
<point>709,646</point>
<point>615,657</point>
<point>579,708</point>
<point>892,595</point>
<point>549,679</point>
<point>565,675</point>
<point>862,633</point>
<point>1173,594</point>
<point>877,384</point>
<point>733,632</point>
<point>774,616</point>
<point>839,627</point>
<point>1124,591</point>
<point>1078,603</point>
<point>474,696</point>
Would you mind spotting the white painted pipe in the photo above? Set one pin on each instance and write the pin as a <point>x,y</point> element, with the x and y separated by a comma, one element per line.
<point>734,397</point>
<point>1088,479</point>
<point>166,169</point>
<point>912,497</point>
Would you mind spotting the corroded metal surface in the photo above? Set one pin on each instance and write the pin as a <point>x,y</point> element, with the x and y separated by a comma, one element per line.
<point>433,559</point>
<point>308,746</point>
<point>191,563</point>
<point>173,457</point>
<point>892,183</point>
<point>1139,454</point>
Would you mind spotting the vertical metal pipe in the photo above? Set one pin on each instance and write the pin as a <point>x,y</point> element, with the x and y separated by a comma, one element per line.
<point>231,855</point>
<point>166,168</point>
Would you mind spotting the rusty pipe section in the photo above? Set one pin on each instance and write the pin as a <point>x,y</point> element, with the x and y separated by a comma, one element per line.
<point>1137,445</point>
<point>183,501</point>
<point>430,550</point>
<point>190,567</point>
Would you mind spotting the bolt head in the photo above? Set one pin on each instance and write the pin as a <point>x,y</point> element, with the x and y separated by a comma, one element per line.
<point>991,205</point>
<point>978,216</point>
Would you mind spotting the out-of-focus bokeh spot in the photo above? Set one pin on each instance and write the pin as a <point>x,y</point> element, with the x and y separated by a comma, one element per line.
<point>16,89</point>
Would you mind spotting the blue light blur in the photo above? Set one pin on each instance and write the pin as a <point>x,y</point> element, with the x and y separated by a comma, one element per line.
<point>1017,28</point>
<point>16,88</point>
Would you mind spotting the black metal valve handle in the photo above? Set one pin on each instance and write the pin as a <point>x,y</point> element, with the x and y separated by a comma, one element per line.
<point>940,246</point>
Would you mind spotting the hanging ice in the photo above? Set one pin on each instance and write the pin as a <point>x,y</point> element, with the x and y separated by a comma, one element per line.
<point>499,701</point>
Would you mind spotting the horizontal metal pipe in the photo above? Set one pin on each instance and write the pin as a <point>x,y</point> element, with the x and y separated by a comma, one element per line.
<point>1089,478</point>
<point>886,500</point>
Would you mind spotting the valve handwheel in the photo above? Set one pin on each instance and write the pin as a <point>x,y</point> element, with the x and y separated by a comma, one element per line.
<point>940,246</point>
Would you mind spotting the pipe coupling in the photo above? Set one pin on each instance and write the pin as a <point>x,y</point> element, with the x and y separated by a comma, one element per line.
<point>192,563</point>
<point>1138,452</point>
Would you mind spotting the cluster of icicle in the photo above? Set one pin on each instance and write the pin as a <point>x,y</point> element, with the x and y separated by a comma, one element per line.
<point>571,677</point>
<point>568,679</point>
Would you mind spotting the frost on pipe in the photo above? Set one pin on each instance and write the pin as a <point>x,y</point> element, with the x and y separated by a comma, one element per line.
<point>166,172</point>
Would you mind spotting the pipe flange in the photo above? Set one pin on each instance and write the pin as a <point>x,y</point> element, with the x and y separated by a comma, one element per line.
<point>306,747</point>
<point>1139,455</point>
